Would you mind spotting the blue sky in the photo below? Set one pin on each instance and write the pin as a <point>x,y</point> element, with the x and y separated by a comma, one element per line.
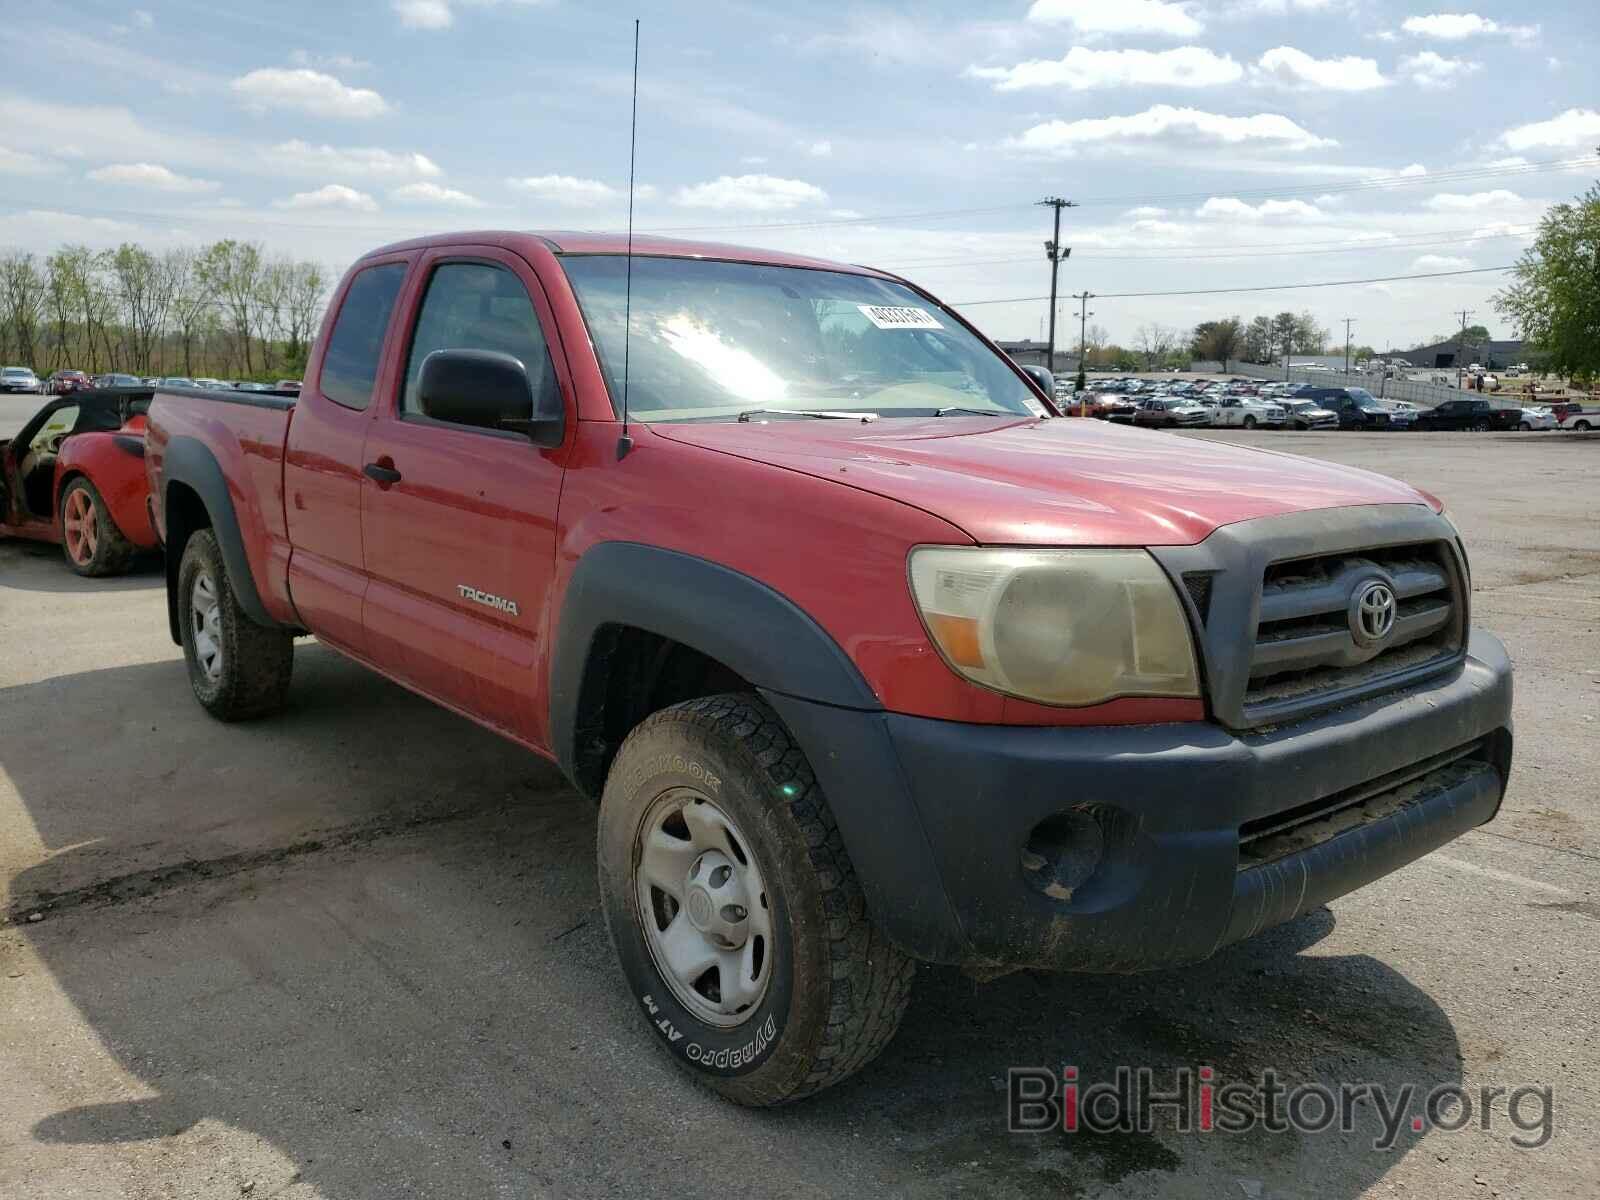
<point>1217,144</point>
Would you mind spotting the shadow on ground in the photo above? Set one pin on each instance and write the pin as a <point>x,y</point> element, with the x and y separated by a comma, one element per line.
<point>417,998</point>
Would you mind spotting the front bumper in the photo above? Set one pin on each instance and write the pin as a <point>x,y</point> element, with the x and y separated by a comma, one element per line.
<point>937,815</point>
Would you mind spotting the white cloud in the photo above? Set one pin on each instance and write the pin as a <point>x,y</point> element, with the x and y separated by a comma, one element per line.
<point>1145,212</point>
<point>1431,70</point>
<point>331,195</point>
<point>1554,63</point>
<point>1575,129</point>
<point>19,162</point>
<point>754,160</point>
<point>1232,208</point>
<point>1084,69</point>
<point>1123,16</point>
<point>424,14</point>
<point>751,193</point>
<point>308,91</point>
<point>1165,125</point>
<point>1472,201</point>
<point>1439,262</point>
<point>1414,171</point>
<point>822,149</point>
<point>367,162</point>
<point>1292,68</point>
<point>567,190</point>
<point>433,193</point>
<point>439,14</point>
<point>152,176</point>
<point>1453,27</point>
<point>328,62</point>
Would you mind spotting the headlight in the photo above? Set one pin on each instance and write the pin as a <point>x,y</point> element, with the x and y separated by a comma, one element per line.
<point>1068,627</point>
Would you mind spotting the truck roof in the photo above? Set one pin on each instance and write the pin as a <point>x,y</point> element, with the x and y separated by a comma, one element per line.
<point>645,245</point>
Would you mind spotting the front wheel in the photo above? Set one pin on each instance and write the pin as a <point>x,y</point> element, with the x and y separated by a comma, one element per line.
<point>238,669</point>
<point>734,909</point>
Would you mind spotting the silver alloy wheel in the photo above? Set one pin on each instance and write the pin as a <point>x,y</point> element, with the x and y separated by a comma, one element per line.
<point>704,907</point>
<point>205,620</point>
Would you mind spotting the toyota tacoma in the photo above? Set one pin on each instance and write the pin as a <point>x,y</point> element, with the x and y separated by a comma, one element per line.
<point>867,658</point>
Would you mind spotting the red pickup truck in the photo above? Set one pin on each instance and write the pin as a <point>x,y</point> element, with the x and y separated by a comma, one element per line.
<point>867,657</point>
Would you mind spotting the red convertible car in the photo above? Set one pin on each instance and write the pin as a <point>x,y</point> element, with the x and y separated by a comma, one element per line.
<point>74,474</point>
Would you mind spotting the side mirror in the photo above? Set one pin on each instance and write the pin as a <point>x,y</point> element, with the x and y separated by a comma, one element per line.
<point>489,390</point>
<point>1045,381</point>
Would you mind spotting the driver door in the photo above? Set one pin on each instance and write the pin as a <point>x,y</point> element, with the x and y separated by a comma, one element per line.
<point>458,521</point>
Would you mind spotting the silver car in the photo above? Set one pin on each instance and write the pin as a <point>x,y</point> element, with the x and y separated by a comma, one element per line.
<point>18,379</point>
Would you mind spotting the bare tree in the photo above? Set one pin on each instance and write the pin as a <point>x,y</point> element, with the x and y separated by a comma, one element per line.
<point>232,274</point>
<point>22,292</point>
<point>1155,342</point>
<point>193,307</point>
<point>144,286</point>
<point>307,292</point>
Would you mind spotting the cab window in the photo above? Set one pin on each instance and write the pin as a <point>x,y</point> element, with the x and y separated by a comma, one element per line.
<point>480,306</point>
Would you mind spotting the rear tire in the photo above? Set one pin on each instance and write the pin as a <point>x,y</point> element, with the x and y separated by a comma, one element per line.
<point>1249,422</point>
<point>719,860</point>
<point>1582,427</point>
<point>238,669</point>
<point>90,539</point>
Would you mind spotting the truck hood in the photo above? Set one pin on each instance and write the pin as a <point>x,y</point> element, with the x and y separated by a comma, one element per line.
<point>1061,482</point>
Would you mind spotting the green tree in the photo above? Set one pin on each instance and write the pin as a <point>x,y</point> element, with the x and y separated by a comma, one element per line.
<point>1555,301</point>
<point>1218,340</point>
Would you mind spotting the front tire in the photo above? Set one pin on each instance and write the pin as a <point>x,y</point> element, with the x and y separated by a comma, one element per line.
<point>90,539</point>
<point>734,909</point>
<point>238,669</point>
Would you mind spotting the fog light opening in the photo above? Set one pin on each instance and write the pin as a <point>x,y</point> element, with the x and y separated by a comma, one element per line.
<point>1063,852</point>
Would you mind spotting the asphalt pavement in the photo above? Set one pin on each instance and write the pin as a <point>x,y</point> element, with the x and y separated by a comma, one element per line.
<point>353,951</point>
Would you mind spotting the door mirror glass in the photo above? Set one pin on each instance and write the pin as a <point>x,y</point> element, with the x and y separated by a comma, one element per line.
<point>487,389</point>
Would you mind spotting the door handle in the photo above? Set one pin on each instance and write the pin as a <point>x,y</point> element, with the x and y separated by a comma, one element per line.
<point>381,472</point>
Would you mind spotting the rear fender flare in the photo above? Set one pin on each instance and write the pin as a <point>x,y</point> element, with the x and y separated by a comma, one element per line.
<point>189,462</point>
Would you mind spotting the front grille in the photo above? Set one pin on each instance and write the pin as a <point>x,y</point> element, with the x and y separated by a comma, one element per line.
<point>1306,638</point>
<point>1296,830</point>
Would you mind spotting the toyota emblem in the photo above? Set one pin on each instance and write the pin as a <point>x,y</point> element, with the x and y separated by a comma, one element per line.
<point>1372,612</point>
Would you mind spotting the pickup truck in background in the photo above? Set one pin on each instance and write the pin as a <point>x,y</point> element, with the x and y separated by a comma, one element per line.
<point>1476,415</point>
<point>866,656</point>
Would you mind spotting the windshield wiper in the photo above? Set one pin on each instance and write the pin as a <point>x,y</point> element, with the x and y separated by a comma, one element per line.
<point>977,412</point>
<point>821,414</point>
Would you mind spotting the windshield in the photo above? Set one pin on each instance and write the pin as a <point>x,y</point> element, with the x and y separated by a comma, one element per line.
<point>1363,397</point>
<point>714,339</point>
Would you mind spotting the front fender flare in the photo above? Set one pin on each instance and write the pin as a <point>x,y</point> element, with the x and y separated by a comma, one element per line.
<point>727,616</point>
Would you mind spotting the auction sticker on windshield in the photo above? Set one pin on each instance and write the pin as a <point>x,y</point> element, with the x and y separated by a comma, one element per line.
<point>888,316</point>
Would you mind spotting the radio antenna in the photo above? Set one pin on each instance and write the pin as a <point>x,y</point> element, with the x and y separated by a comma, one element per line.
<point>625,443</point>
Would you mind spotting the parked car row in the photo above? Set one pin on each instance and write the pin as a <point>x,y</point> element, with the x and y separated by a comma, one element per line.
<point>65,381</point>
<point>1251,404</point>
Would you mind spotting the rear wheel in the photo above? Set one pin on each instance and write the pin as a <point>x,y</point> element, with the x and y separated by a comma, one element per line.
<point>734,908</point>
<point>90,539</point>
<point>1582,426</point>
<point>1480,427</point>
<point>1525,427</point>
<point>1249,422</point>
<point>238,669</point>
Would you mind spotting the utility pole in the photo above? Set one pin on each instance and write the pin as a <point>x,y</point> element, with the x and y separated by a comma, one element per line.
<point>1084,314</point>
<point>1348,321</point>
<point>1055,252</point>
<point>1461,344</point>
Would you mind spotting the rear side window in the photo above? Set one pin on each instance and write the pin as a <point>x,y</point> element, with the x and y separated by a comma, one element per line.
<point>350,368</point>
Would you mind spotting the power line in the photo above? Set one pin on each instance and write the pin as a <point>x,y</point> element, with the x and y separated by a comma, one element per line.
<point>1277,287</point>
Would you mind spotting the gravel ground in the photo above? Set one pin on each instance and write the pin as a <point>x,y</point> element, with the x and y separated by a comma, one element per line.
<point>354,951</point>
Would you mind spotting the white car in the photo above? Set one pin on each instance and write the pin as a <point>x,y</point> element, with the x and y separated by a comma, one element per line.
<point>18,379</point>
<point>1537,418</point>
<point>1308,414</point>
<point>1246,412</point>
<point>1583,421</point>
